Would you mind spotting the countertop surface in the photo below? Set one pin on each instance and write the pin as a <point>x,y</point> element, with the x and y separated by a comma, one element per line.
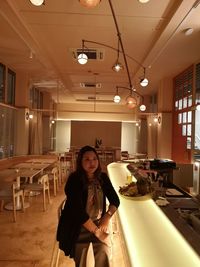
<point>151,234</point>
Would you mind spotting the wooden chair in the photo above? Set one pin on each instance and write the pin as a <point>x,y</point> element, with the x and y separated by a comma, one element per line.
<point>124,155</point>
<point>56,251</point>
<point>69,159</point>
<point>60,176</point>
<point>41,185</point>
<point>109,156</point>
<point>53,175</point>
<point>100,153</point>
<point>15,194</point>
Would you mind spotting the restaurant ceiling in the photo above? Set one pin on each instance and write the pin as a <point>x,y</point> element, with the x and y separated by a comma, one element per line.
<point>42,42</point>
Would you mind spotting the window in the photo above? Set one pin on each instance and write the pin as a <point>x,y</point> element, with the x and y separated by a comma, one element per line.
<point>11,87</point>
<point>183,103</point>
<point>2,83</point>
<point>197,112</point>
<point>36,99</point>
<point>7,129</point>
<point>7,85</point>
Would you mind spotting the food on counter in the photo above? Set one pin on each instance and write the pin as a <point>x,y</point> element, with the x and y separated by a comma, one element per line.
<point>140,188</point>
<point>162,202</point>
<point>129,190</point>
<point>143,185</point>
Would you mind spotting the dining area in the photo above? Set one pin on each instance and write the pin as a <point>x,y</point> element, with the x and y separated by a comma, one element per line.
<point>29,241</point>
<point>27,179</point>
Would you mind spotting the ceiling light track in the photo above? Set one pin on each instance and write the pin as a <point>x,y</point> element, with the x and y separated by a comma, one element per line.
<point>83,57</point>
<point>85,48</point>
<point>120,42</point>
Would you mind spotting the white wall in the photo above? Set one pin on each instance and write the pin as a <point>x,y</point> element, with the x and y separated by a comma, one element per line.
<point>63,135</point>
<point>128,137</point>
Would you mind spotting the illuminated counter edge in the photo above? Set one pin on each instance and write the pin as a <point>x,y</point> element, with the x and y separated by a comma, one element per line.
<point>150,238</point>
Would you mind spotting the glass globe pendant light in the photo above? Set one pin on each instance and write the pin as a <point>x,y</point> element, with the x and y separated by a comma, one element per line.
<point>142,107</point>
<point>89,3</point>
<point>117,67</point>
<point>117,98</point>
<point>82,59</point>
<point>131,102</point>
<point>144,82</point>
<point>37,2</point>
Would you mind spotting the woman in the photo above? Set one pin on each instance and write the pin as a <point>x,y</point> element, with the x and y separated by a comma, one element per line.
<point>84,218</point>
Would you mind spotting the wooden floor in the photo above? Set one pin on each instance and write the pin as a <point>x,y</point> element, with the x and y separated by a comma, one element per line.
<point>30,241</point>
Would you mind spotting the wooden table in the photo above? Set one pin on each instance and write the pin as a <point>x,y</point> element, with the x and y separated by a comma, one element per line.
<point>32,166</point>
<point>8,176</point>
<point>39,161</point>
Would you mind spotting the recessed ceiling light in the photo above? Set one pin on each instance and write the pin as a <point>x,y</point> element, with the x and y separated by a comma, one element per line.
<point>143,1</point>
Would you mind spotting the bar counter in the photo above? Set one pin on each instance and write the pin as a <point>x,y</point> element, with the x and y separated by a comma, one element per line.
<point>149,237</point>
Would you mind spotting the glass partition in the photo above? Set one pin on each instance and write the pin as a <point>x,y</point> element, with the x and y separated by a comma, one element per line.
<point>7,130</point>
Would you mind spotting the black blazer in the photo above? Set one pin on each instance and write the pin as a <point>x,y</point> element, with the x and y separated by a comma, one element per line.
<point>74,213</point>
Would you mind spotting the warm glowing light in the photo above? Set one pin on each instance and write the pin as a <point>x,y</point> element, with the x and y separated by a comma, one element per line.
<point>144,82</point>
<point>131,102</point>
<point>117,67</point>
<point>137,124</point>
<point>139,234</point>
<point>198,107</point>
<point>52,121</point>
<point>37,2</point>
<point>155,119</point>
<point>117,98</point>
<point>30,116</point>
<point>89,3</point>
<point>142,107</point>
<point>82,59</point>
<point>143,1</point>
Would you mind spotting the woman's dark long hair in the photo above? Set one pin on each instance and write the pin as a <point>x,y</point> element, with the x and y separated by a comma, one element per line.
<point>79,167</point>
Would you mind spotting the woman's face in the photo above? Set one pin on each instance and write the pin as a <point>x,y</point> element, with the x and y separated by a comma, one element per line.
<point>90,162</point>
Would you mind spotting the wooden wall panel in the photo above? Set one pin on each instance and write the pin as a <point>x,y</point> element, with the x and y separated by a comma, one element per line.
<point>86,132</point>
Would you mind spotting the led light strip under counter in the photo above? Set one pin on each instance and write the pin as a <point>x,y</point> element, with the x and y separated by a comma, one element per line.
<point>151,239</point>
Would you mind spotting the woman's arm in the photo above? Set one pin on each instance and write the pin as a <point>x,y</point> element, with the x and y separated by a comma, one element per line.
<point>76,199</point>
<point>97,231</point>
<point>113,199</point>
